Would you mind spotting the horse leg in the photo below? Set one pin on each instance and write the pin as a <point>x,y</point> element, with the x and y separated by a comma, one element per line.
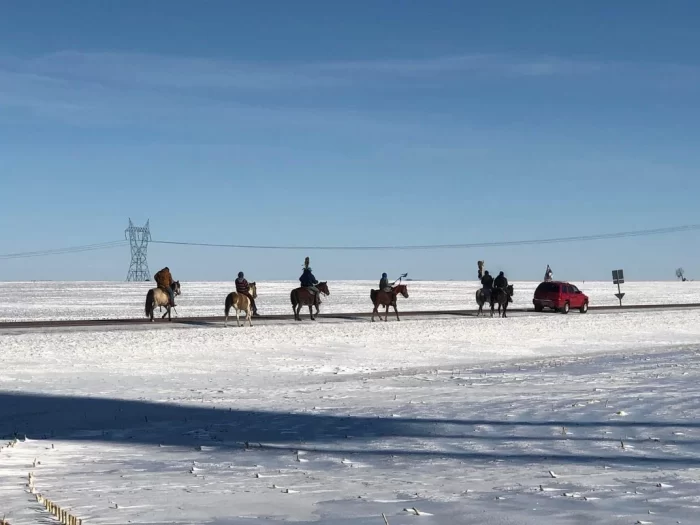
<point>311,312</point>
<point>397,313</point>
<point>249,313</point>
<point>386,313</point>
<point>374,311</point>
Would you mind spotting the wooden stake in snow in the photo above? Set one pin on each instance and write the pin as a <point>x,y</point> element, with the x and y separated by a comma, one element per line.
<point>386,521</point>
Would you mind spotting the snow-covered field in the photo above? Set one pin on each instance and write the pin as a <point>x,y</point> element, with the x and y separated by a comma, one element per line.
<point>530,420</point>
<point>108,300</point>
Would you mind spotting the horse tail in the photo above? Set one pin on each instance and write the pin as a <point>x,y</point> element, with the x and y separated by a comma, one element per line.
<point>150,299</point>
<point>373,295</point>
<point>294,297</point>
<point>228,304</point>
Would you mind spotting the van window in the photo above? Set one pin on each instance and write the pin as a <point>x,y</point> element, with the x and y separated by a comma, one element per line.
<point>547,288</point>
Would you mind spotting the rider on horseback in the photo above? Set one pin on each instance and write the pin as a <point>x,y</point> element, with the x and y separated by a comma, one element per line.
<point>243,288</point>
<point>501,283</point>
<point>384,284</point>
<point>487,285</point>
<point>164,281</point>
<point>309,282</point>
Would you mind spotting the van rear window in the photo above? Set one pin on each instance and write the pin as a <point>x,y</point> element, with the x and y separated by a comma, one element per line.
<point>548,288</point>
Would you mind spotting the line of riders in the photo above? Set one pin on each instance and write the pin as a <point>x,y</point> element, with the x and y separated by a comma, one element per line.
<point>489,284</point>
<point>164,280</point>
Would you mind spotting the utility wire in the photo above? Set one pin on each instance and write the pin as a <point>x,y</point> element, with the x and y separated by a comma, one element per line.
<point>580,238</point>
<point>494,244</point>
<point>61,251</point>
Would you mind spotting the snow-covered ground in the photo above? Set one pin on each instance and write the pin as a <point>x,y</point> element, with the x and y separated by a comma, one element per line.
<point>108,300</point>
<point>542,419</point>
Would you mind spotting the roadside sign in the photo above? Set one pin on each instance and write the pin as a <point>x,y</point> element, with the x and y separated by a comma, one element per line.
<point>618,277</point>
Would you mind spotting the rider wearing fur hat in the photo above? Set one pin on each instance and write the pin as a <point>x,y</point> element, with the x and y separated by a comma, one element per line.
<point>164,281</point>
<point>243,288</point>
<point>308,280</point>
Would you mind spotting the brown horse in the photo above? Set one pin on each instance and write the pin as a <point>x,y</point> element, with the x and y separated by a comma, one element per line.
<point>159,297</point>
<point>301,296</point>
<point>386,299</point>
<point>241,303</point>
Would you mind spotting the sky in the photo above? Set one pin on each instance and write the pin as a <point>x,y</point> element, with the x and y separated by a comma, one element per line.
<point>358,123</point>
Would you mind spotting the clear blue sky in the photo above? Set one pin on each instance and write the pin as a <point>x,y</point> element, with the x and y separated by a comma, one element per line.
<point>365,122</point>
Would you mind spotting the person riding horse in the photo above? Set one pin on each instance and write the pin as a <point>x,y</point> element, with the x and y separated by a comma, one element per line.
<point>487,285</point>
<point>309,282</point>
<point>243,288</point>
<point>164,281</point>
<point>384,284</point>
<point>501,283</point>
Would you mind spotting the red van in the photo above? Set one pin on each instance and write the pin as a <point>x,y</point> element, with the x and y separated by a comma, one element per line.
<point>560,296</point>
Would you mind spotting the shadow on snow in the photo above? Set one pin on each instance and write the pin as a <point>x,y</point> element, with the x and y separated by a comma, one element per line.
<point>130,421</point>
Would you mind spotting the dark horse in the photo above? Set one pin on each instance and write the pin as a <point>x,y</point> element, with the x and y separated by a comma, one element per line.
<point>502,297</point>
<point>301,296</point>
<point>386,299</point>
<point>159,297</point>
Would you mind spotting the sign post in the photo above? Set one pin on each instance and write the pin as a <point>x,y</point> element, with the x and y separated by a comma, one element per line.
<point>618,279</point>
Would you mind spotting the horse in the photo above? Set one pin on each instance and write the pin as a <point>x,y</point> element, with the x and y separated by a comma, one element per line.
<point>502,297</point>
<point>301,296</point>
<point>481,300</point>
<point>241,303</point>
<point>159,297</point>
<point>386,299</point>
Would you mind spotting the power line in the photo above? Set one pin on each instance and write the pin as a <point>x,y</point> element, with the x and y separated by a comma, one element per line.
<point>494,244</point>
<point>61,251</point>
<point>579,238</point>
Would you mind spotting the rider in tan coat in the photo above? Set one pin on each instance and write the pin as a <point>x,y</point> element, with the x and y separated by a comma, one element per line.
<point>164,281</point>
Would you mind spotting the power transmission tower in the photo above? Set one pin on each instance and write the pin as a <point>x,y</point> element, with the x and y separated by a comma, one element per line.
<point>138,238</point>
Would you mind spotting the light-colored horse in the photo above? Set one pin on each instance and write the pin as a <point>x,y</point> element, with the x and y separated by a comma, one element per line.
<point>158,297</point>
<point>241,303</point>
<point>481,301</point>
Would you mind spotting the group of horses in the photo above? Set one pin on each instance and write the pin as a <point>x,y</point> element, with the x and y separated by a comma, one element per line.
<point>157,297</point>
<point>498,296</point>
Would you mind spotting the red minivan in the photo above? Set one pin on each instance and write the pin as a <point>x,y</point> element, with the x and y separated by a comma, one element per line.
<point>559,296</point>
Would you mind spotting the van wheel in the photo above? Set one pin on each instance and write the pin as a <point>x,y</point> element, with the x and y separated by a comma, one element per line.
<point>584,308</point>
<point>566,308</point>
<point>538,308</point>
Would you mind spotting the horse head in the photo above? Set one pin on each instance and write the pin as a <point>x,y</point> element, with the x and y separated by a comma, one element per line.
<point>402,289</point>
<point>509,290</point>
<point>323,288</point>
<point>253,290</point>
<point>176,288</point>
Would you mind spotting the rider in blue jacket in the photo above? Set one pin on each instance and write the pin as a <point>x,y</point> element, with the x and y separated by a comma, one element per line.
<point>384,283</point>
<point>308,280</point>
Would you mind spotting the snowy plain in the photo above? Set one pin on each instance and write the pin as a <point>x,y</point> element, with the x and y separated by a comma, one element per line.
<point>539,419</point>
<point>109,300</point>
